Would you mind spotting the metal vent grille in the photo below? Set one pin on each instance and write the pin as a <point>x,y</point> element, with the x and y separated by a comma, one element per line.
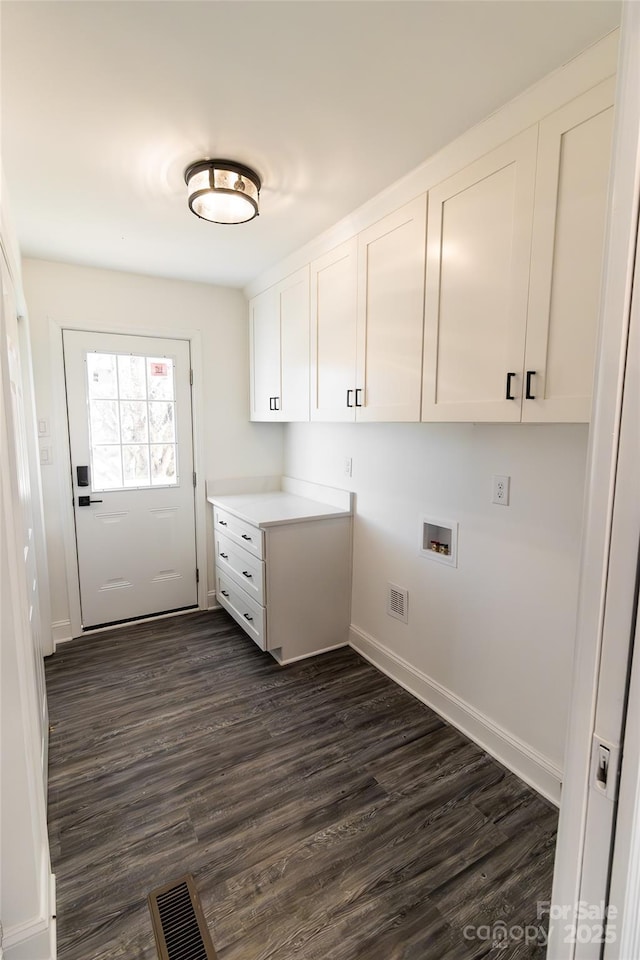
<point>398,603</point>
<point>178,922</point>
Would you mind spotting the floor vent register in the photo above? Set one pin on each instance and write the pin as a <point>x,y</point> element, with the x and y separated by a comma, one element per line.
<point>178,922</point>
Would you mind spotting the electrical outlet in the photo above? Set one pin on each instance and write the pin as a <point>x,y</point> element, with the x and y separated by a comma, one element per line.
<point>501,491</point>
<point>348,467</point>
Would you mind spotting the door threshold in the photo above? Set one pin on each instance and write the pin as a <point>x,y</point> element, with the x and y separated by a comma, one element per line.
<point>101,627</point>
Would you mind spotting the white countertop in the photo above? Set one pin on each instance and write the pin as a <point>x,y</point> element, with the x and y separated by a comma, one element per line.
<point>272,509</point>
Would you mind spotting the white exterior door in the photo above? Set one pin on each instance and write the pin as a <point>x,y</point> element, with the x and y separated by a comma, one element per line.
<point>130,433</point>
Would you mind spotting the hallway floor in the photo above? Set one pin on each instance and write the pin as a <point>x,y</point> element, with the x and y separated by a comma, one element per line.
<point>323,811</point>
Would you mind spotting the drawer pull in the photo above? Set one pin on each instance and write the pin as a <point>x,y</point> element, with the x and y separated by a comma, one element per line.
<point>223,523</point>
<point>225,556</point>
<point>509,395</point>
<point>249,576</point>
<point>247,617</point>
<point>224,593</point>
<point>245,536</point>
<point>528,395</point>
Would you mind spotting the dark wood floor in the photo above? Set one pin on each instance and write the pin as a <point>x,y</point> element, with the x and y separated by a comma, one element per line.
<point>323,811</point>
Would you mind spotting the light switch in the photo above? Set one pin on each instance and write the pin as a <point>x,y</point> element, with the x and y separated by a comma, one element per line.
<point>43,427</point>
<point>46,456</point>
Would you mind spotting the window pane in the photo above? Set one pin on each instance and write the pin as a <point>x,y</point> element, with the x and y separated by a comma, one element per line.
<point>163,463</point>
<point>133,417</point>
<point>160,378</point>
<point>161,425</point>
<point>104,421</point>
<point>106,468</point>
<point>135,461</point>
<point>101,374</point>
<point>131,377</point>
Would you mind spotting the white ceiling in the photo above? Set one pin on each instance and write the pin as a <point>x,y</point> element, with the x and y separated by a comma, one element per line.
<point>105,103</point>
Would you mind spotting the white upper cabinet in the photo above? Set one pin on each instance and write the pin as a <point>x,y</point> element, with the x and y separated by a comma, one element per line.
<point>391,257</point>
<point>367,300</point>
<point>574,155</point>
<point>514,261</point>
<point>264,321</point>
<point>479,243</point>
<point>279,338</point>
<point>334,280</point>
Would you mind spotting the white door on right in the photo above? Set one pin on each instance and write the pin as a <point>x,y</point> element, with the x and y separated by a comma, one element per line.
<point>572,178</point>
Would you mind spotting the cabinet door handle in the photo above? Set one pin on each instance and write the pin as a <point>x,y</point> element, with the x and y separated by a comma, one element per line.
<point>246,536</point>
<point>247,617</point>
<point>358,390</point>
<point>528,395</point>
<point>510,377</point>
<point>349,392</point>
<point>223,523</point>
<point>271,407</point>
<point>224,593</point>
<point>225,556</point>
<point>249,576</point>
<point>276,403</point>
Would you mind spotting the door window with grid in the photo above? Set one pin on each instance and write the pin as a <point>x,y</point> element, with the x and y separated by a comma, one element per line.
<point>132,421</point>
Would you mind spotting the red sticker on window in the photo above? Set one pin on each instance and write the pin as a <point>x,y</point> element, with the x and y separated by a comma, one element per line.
<point>159,370</point>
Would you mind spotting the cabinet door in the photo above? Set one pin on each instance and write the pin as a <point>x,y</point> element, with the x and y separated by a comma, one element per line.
<point>479,243</point>
<point>293,295</point>
<point>333,333</point>
<point>566,259</point>
<point>264,339</point>
<point>391,257</point>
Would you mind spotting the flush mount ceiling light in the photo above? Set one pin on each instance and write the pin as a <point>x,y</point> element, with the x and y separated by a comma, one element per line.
<point>222,191</point>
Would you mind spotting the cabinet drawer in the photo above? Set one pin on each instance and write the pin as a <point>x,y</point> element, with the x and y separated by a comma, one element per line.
<point>249,614</point>
<point>241,566</point>
<point>242,533</point>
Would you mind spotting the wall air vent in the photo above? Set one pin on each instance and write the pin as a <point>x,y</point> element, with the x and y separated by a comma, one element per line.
<point>398,603</point>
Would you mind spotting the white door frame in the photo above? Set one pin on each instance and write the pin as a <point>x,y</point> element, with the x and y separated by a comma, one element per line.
<point>63,461</point>
<point>572,873</point>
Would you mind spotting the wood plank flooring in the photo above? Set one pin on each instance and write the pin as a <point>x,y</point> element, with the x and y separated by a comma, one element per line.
<point>324,812</point>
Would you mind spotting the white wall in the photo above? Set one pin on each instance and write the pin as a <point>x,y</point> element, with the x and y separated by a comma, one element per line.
<point>109,300</point>
<point>497,633</point>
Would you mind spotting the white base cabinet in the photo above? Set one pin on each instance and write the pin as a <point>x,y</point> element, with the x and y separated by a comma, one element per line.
<point>283,571</point>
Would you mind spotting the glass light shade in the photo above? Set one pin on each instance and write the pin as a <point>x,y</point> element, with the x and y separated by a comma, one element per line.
<point>222,191</point>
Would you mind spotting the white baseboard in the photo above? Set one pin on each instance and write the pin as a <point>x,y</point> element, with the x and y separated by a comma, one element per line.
<point>61,632</point>
<point>305,656</point>
<point>212,603</point>
<point>532,767</point>
<point>35,939</point>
